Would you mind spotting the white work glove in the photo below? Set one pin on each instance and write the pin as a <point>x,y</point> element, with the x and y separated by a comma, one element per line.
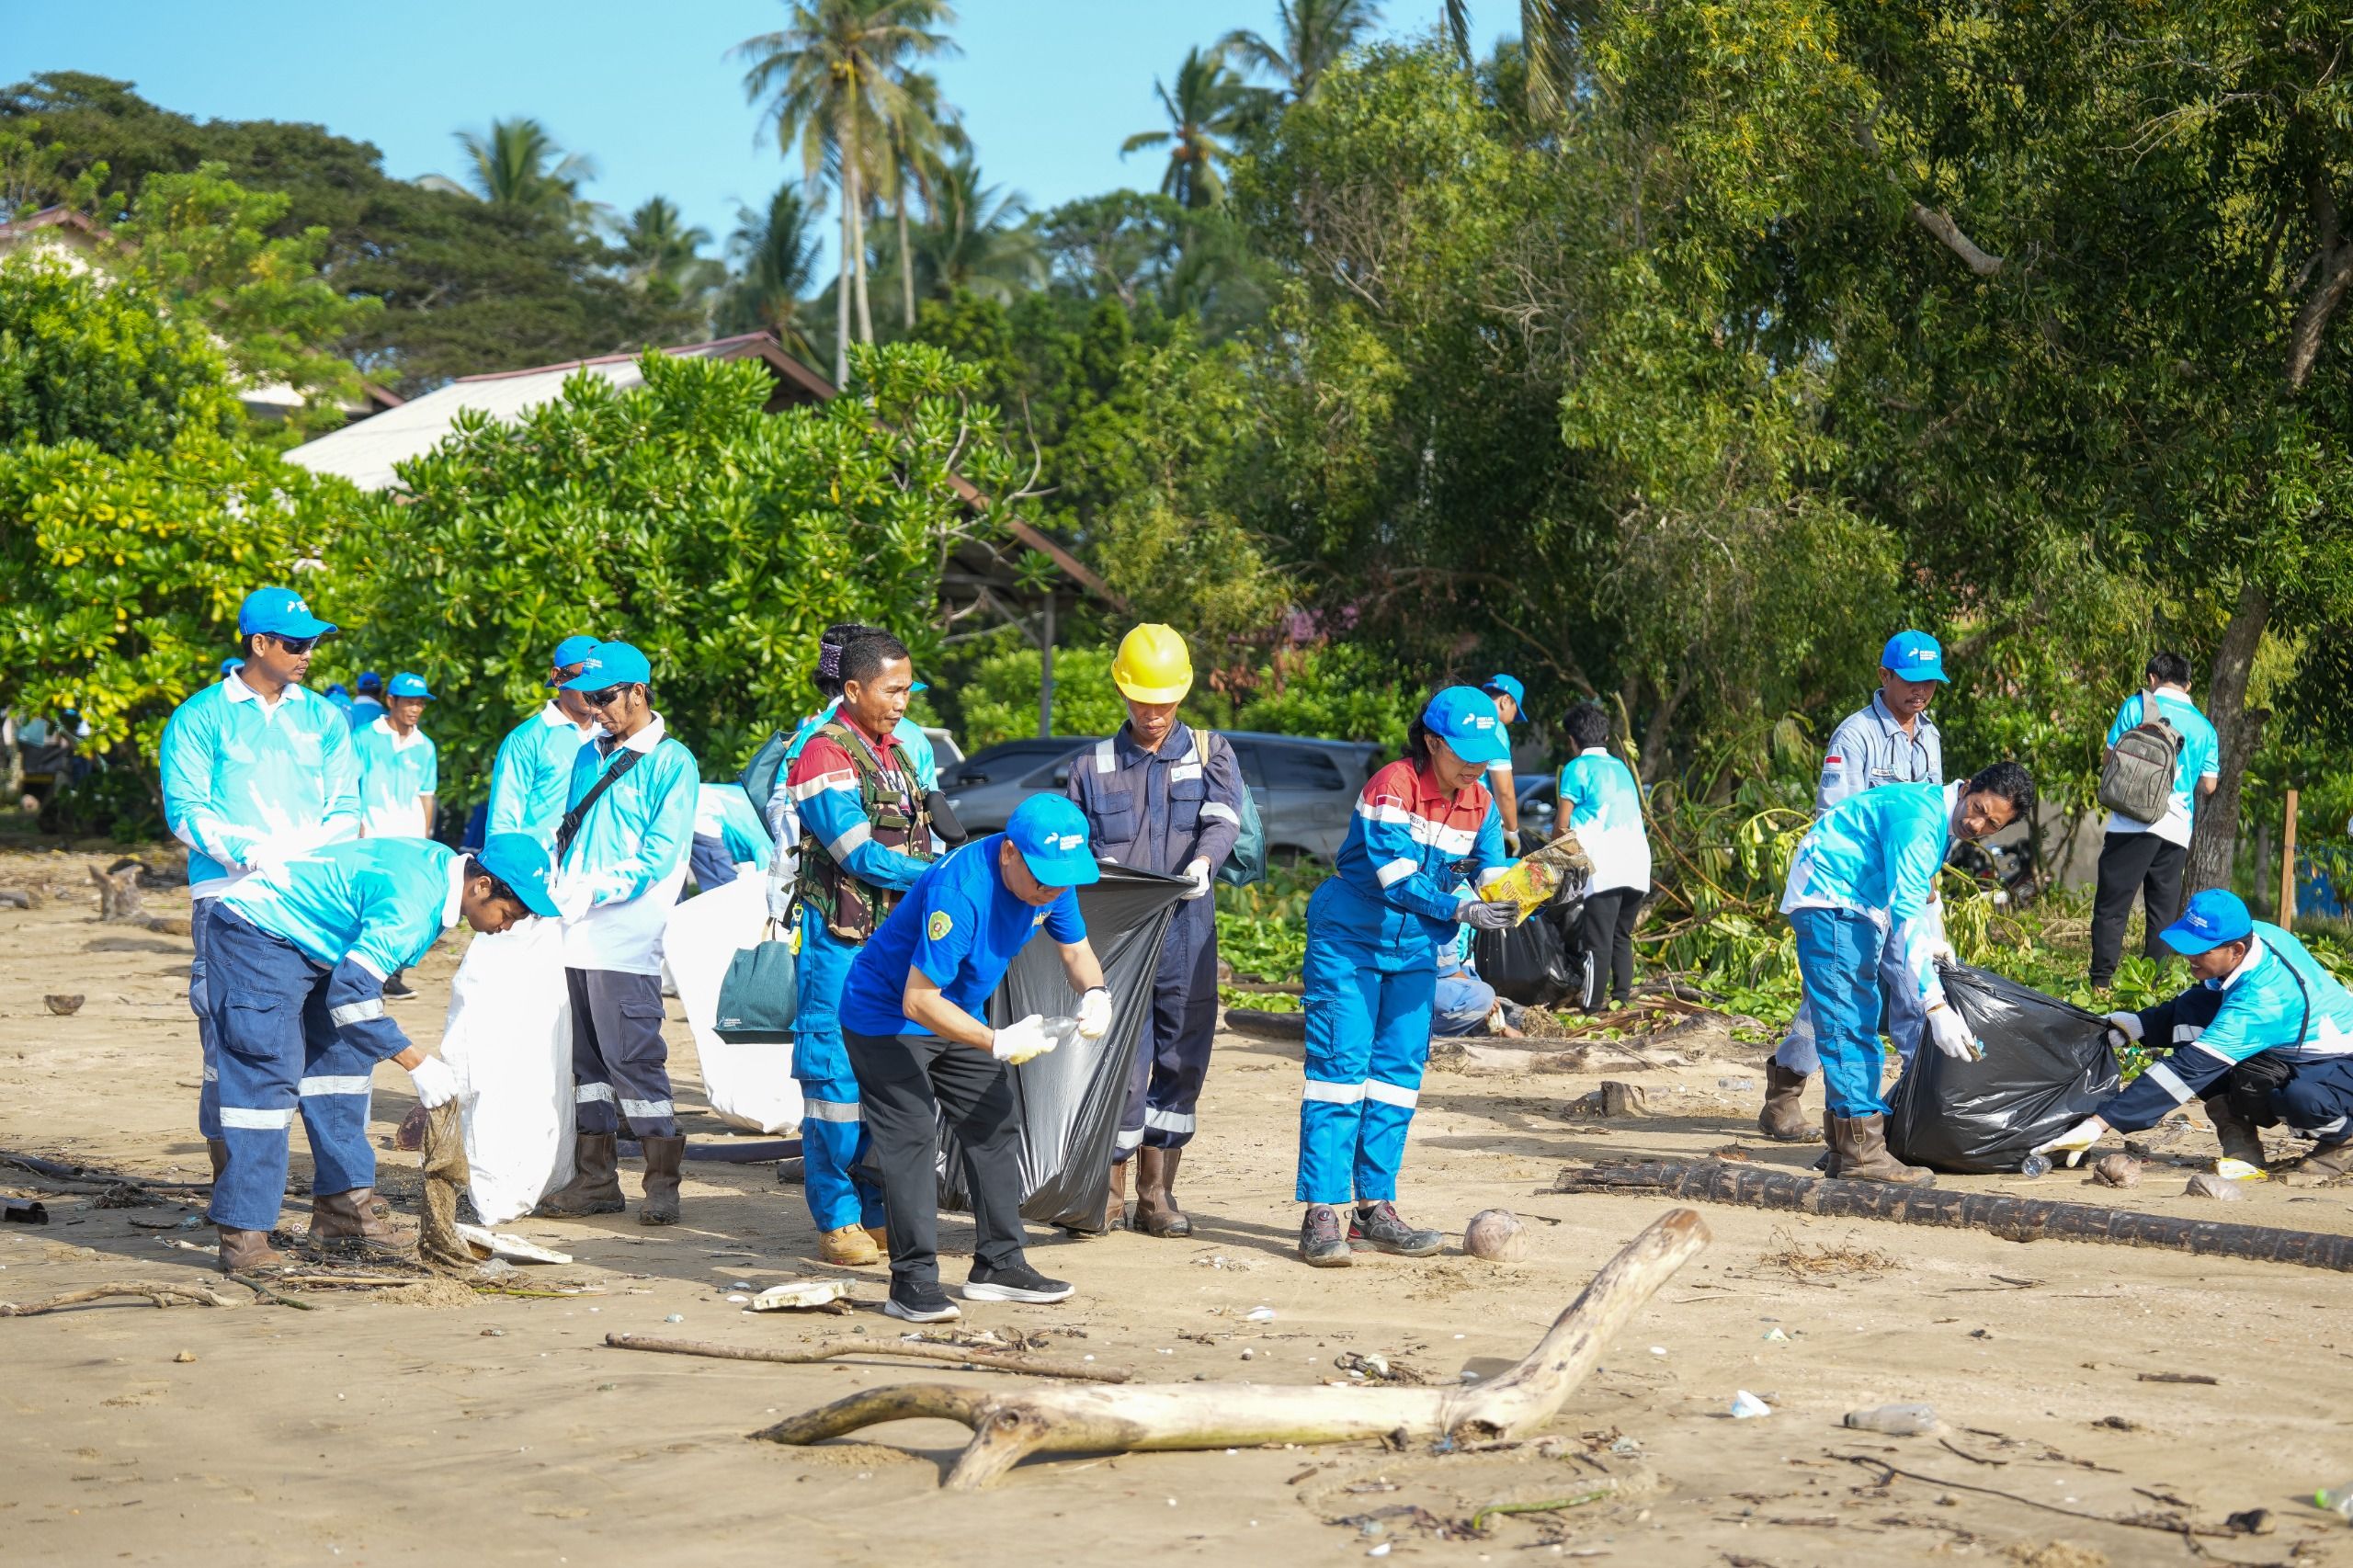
<point>1486,914</point>
<point>573,896</point>
<point>1095,1014</point>
<point>268,854</point>
<point>1953,1037</point>
<point>435,1082</point>
<point>1940,947</point>
<point>1017,1043</point>
<point>1200,871</point>
<point>2123,1029</point>
<point>1511,842</point>
<point>2075,1140</point>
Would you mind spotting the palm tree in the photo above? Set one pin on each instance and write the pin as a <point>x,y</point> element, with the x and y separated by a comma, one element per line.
<point>520,167</point>
<point>835,76</point>
<point>975,240</point>
<point>775,253</point>
<point>1549,31</point>
<point>1209,104</point>
<point>919,141</point>
<point>663,257</point>
<point>1312,37</point>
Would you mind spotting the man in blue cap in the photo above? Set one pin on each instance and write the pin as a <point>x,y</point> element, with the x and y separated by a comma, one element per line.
<point>400,770</point>
<point>913,1017</point>
<point>621,858</point>
<point>298,956</point>
<point>1892,740</point>
<point>2264,1037</point>
<point>530,780</point>
<point>1510,699</point>
<point>256,770</point>
<point>367,700</point>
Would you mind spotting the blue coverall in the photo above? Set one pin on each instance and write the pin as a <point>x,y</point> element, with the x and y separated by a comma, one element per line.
<point>299,957</point>
<point>1373,932</point>
<point>823,784</point>
<point>1160,811</point>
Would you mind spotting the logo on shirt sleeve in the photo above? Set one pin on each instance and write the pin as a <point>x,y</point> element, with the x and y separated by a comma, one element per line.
<point>940,925</point>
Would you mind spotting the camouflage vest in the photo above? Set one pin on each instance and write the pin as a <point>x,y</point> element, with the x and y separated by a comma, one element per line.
<point>895,814</point>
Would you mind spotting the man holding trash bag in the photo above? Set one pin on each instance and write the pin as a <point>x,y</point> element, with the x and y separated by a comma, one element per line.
<point>2264,1037</point>
<point>1859,881</point>
<point>913,1019</point>
<point>300,953</point>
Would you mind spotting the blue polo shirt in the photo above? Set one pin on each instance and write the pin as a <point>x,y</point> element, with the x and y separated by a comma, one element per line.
<point>960,925</point>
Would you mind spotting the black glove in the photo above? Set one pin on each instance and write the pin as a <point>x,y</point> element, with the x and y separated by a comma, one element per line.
<point>1488,915</point>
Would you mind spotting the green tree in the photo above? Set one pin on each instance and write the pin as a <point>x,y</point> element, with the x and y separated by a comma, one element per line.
<point>776,266</point>
<point>519,168</point>
<point>974,240</point>
<point>1208,107</point>
<point>835,78</point>
<point>719,537</point>
<point>664,254</point>
<point>1310,38</point>
<point>81,360</point>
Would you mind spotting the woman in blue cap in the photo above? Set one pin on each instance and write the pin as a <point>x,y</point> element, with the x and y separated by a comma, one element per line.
<point>1422,825</point>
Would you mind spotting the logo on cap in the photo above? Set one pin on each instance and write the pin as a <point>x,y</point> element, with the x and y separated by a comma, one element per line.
<point>294,602</point>
<point>592,664</point>
<point>1067,840</point>
<point>2200,922</point>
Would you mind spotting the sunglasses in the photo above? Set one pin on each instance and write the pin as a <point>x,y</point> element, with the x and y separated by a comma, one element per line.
<point>607,697</point>
<point>295,644</point>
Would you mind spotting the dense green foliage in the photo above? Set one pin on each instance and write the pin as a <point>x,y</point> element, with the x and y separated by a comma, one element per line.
<point>82,362</point>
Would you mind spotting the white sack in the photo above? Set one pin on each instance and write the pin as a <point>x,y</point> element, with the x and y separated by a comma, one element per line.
<point>749,1086</point>
<point>510,1041</point>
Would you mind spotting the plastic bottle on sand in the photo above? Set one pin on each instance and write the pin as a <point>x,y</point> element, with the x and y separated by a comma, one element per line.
<point>2338,1500</point>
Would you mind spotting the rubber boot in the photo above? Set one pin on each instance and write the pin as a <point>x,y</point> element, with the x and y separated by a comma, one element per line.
<point>851,1247</point>
<point>1156,1211</point>
<point>358,1216</point>
<point>595,1184</point>
<point>2237,1136</point>
<point>244,1250</point>
<point>1115,1208</point>
<point>1828,1164</point>
<point>1859,1145</point>
<point>217,1151</point>
<point>1783,1119</point>
<point>663,1156</point>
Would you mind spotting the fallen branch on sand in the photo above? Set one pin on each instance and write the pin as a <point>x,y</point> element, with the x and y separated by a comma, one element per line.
<point>972,1358</point>
<point>2013,1219</point>
<point>160,1295</point>
<point>1142,1417</point>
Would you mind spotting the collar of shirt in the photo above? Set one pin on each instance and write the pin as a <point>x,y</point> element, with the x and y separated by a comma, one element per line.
<point>555,717</point>
<point>236,690</point>
<point>1887,720</point>
<point>1131,752</point>
<point>1431,799</point>
<point>645,740</point>
<point>1595,751</point>
<point>452,911</point>
<point>2255,951</point>
<point>383,726</point>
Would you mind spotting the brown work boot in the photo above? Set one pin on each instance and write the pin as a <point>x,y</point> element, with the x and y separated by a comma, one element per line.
<point>595,1184</point>
<point>358,1216</point>
<point>1156,1211</point>
<point>1783,1119</point>
<point>1115,1208</point>
<point>1858,1147</point>
<point>242,1251</point>
<point>1828,1164</point>
<point>2326,1161</point>
<point>217,1151</point>
<point>663,1156</point>
<point>881,1236</point>
<point>2238,1136</point>
<point>848,1247</point>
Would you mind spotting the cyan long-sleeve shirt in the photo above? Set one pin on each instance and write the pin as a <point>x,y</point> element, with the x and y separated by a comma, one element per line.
<point>247,781</point>
<point>632,851</point>
<point>530,780</point>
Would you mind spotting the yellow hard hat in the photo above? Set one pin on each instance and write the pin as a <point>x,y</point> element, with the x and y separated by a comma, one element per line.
<point>1153,666</point>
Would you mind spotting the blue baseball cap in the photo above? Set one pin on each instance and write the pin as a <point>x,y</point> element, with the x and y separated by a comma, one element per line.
<point>568,652</point>
<point>610,664</point>
<point>1915,655</point>
<point>1050,834</point>
<point>408,684</point>
<point>1465,719</point>
<point>919,685</point>
<point>369,680</point>
<point>1509,686</point>
<point>278,612</point>
<point>521,861</point>
<point>2210,919</point>
<point>338,689</point>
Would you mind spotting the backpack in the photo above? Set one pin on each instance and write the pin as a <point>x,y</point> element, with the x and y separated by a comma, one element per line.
<point>1247,864</point>
<point>759,775</point>
<point>2137,779</point>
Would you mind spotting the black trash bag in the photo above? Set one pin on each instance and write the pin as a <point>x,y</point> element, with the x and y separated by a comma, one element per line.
<point>2047,1066</point>
<point>1537,962</point>
<point>1069,1102</point>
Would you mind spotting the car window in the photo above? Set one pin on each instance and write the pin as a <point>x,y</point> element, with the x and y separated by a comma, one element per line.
<point>1245,755</point>
<point>1300,767</point>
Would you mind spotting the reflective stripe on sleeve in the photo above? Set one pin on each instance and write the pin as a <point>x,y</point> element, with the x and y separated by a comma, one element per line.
<point>856,834</point>
<point>1130,1139</point>
<point>361,1085</point>
<point>356,1012</point>
<point>1396,871</point>
<point>1334,1094</point>
<point>645,1110</point>
<point>832,1110</point>
<point>593,1093</point>
<point>2166,1078</point>
<point>823,782</point>
<point>1393,1094</point>
<point>256,1121</point>
<point>1219,811</point>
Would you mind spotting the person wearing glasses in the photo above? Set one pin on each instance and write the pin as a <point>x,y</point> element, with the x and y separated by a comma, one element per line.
<point>256,770</point>
<point>530,781</point>
<point>1892,740</point>
<point>620,860</point>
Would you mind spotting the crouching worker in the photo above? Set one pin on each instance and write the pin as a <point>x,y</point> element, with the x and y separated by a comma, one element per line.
<point>1866,868</point>
<point>1373,932</point>
<point>299,954</point>
<point>2264,1037</point>
<point>912,1016</point>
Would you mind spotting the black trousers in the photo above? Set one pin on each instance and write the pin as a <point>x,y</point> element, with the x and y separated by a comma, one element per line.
<point>2133,863</point>
<point>1606,934</point>
<point>904,1082</point>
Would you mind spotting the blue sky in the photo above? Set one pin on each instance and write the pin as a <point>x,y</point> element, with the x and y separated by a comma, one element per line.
<point>1049,88</point>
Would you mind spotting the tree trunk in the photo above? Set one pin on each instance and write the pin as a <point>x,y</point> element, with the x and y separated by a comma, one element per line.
<point>841,297</point>
<point>906,258</point>
<point>856,201</point>
<point>2239,731</point>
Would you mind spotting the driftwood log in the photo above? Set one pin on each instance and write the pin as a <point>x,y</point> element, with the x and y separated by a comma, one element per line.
<point>1140,1417</point>
<point>156,1294</point>
<point>969,1358</point>
<point>2013,1219</point>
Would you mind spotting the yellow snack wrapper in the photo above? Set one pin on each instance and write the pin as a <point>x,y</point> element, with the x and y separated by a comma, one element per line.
<point>1539,877</point>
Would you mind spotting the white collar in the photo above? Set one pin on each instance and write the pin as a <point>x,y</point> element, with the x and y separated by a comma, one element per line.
<point>1595,751</point>
<point>452,911</point>
<point>2253,954</point>
<point>555,717</point>
<point>382,725</point>
<point>238,691</point>
<point>645,740</point>
<point>2181,692</point>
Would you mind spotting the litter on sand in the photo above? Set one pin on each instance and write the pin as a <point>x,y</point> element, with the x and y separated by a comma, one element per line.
<point>1746,1406</point>
<point>506,1245</point>
<point>799,1295</point>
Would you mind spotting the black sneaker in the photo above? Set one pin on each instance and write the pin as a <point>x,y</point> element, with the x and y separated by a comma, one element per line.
<point>1018,1283</point>
<point>920,1303</point>
<point>1320,1241</point>
<point>1376,1227</point>
<point>399,990</point>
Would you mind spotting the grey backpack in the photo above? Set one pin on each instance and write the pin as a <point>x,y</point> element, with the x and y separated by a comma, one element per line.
<point>2137,779</point>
